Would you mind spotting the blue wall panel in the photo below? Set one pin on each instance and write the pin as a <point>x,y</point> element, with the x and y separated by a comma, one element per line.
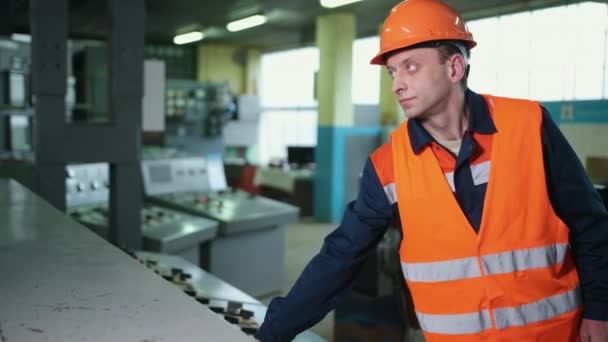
<point>329,171</point>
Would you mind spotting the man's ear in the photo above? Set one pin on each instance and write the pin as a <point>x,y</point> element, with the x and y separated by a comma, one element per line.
<point>458,70</point>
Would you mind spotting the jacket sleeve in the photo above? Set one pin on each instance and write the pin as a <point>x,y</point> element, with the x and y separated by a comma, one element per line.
<point>330,274</point>
<point>580,207</point>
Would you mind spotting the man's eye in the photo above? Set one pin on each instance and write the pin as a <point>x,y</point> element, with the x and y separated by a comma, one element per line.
<point>391,74</point>
<point>411,67</point>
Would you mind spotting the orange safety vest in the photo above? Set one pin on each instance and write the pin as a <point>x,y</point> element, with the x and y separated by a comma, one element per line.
<point>513,281</point>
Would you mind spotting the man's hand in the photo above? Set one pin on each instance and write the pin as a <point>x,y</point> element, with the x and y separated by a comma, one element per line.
<point>594,331</point>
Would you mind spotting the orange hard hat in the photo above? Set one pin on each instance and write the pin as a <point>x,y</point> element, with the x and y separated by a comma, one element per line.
<point>413,22</point>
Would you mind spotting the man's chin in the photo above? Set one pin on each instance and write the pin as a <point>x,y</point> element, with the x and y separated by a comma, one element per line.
<point>411,114</point>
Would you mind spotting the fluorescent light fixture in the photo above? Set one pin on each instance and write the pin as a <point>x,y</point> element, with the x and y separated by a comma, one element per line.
<point>249,22</point>
<point>189,37</point>
<point>19,37</point>
<point>336,3</point>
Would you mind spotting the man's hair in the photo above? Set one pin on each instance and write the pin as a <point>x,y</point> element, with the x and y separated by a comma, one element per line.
<point>449,48</point>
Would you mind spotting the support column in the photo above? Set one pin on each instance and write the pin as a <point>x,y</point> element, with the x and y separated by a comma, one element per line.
<point>126,67</point>
<point>252,86</point>
<point>335,35</point>
<point>252,72</point>
<point>118,143</point>
<point>48,21</point>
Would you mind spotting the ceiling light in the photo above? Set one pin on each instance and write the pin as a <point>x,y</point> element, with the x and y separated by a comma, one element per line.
<point>246,23</point>
<point>336,3</point>
<point>19,37</point>
<point>189,37</point>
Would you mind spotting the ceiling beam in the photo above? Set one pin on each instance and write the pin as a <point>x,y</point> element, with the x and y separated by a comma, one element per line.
<point>6,15</point>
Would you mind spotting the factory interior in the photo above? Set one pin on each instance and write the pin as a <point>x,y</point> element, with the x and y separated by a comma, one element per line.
<point>167,168</point>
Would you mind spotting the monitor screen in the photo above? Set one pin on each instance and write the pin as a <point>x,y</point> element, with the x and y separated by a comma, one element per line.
<point>300,155</point>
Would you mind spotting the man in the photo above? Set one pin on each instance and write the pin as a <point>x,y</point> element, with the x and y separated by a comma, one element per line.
<point>503,236</point>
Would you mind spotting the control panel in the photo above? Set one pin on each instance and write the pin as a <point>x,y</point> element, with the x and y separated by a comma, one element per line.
<point>87,184</point>
<point>251,232</point>
<point>198,186</point>
<point>236,210</point>
<point>175,175</point>
<point>163,230</point>
<point>232,304</point>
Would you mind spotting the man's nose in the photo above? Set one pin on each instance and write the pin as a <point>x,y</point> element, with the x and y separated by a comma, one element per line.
<point>399,84</point>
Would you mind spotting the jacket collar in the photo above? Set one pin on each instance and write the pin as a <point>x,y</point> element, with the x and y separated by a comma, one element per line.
<point>480,121</point>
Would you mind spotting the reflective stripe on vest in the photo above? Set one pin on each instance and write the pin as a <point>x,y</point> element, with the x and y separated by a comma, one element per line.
<point>469,323</point>
<point>518,260</point>
<point>475,322</point>
<point>391,193</point>
<point>480,173</point>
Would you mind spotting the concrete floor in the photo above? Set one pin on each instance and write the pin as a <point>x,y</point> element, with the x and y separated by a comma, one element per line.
<point>303,240</point>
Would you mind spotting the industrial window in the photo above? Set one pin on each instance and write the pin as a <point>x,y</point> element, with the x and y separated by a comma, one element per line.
<point>289,108</point>
<point>287,78</point>
<point>551,54</point>
<point>279,129</point>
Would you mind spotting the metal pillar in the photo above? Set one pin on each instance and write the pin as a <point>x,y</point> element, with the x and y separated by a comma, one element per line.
<point>126,54</point>
<point>49,36</point>
<point>6,17</point>
<point>117,143</point>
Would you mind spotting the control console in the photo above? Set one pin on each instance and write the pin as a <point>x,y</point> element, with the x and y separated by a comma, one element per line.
<point>249,250</point>
<point>163,230</point>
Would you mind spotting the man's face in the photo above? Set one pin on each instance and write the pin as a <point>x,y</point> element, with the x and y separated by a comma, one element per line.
<point>420,81</point>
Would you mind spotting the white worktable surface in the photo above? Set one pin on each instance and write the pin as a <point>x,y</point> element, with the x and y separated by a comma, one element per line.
<point>61,282</point>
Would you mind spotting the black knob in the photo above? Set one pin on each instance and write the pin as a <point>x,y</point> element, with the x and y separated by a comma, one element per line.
<point>249,330</point>
<point>247,314</point>
<point>232,319</point>
<point>202,300</point>
<point>216,309</point>
<point>190,292</point>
